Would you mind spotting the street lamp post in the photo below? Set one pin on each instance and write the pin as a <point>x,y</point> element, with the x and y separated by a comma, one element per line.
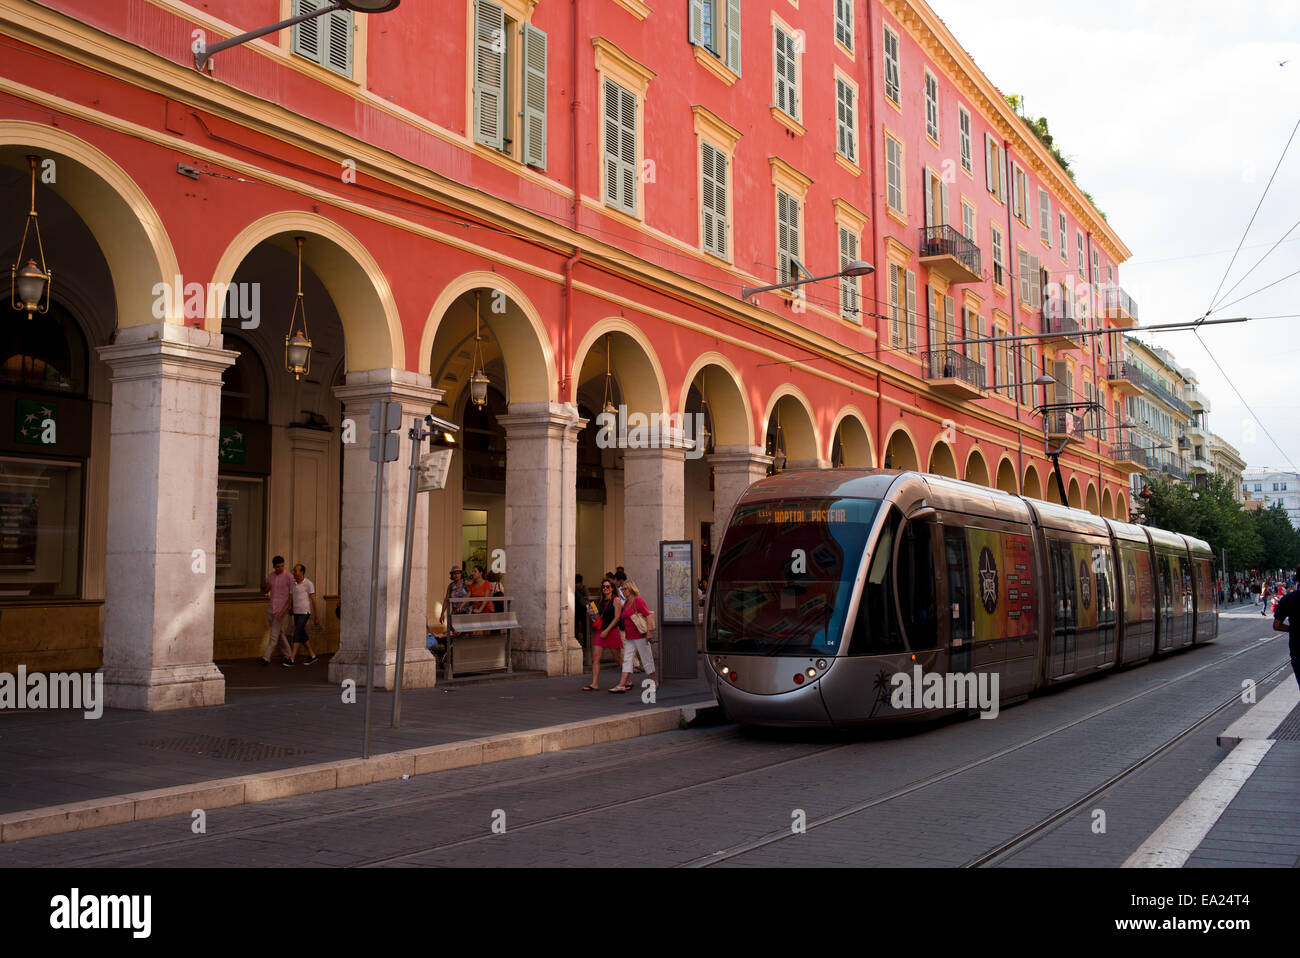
<point>856,268</point>
<point>203,53</point>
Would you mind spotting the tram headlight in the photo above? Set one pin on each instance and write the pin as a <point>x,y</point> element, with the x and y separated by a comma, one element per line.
<point>812,673</point>
<point>821,665</point>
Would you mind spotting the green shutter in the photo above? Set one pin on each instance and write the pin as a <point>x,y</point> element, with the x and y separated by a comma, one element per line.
<point>911,311</point>
<point>895,333</point>
<point>848,284</point>
<point>786,73</point>
<point>844,22</point>
<point>305,38</point>
<point>339,33</point>
<point>695,22</point>
<point>490,74</point>
<point>787,235</point>
<point>733,35</point>
<point>714,199</point>
<point>620,147</point>
<point>534,132</point>
<point>845,118</point>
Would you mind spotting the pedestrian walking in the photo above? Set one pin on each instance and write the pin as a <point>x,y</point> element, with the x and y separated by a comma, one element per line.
<point>1286,618</point>
<point>456,590</point>
<point>639,626</point>
<point>581,619</point>
<point>277,587</point>
<point>303,601</point>
<point>609,631</point>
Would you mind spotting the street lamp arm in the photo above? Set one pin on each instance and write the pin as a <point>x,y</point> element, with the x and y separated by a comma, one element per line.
<point>857,268</point>
<point>203,53</point>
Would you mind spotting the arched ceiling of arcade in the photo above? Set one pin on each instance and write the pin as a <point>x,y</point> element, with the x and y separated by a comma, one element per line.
<point>1007,477</point>
<point>637,377</point>
<point>789,418</point>
<point>851,442</point>
<point>126,229</point>
<point>718,383</point>
<point>977,470</point>
<point>452,356</point>
<point>356,285</point>
<point>900,450</point>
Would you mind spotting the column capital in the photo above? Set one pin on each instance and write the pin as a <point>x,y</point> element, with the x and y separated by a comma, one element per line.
<point>738,457</point>
<point>537,420</point>
<point>140,352</point>
<point>667,453</point>
<point>397,385</point>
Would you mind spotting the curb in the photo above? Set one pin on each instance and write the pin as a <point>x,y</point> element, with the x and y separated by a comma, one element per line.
<point>342,773</point>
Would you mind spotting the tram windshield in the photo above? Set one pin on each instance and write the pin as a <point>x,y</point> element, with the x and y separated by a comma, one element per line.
<point>784,576</point>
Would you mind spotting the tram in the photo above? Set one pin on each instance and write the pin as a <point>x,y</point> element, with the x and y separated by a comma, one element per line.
<point>830,585</point>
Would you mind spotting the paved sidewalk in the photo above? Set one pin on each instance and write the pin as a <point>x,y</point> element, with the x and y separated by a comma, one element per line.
<point>287,731</point>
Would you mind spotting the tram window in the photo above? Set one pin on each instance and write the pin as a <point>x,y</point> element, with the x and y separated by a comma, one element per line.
<point>1103,569</point>
<point>876,630</point>
<point>1063,585</point>
<point>916,581</point>
<point>1166,586</point>
<point>1185,577</point>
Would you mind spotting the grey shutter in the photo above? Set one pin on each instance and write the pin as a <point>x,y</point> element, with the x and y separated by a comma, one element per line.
<point>895,333</point>
<point>931,319</point>
<point>929,196</point>
<point>787,234</point>
<point>911,311</point>
<point>1015,191</point>
<point>990,170</point>
<point>339,33</point>
<point>943,203</point>
<point>611,142</point>
<point>784,65</point>
<point>489,74</point>
<point>627,147</point>
<point>844,115</point>
<point>948,309</point>
<point>1044,279</point>
<point>714,199</point>
<point>620,147</point>
<point>733,36</point>
<point>848,284</point>
<point>1002,176</point>
<point>305,38</point>
<point>844,22</point>
<point>695,22</point>
<point>534,132</point>
<point>709,228</point>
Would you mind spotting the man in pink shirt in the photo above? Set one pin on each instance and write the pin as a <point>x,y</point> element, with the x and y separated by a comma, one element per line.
<point>277,586</point>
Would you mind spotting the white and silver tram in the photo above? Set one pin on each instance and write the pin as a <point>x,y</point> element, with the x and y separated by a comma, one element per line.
<point>829,584</point>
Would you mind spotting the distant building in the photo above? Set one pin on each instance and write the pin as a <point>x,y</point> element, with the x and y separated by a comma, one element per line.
<point>1227,462</point>
<point>1271,486</point>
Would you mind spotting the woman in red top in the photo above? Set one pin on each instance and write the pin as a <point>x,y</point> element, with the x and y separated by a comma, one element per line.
<point>480,587</point>
<point>609,631</point>
<point>636,641</point>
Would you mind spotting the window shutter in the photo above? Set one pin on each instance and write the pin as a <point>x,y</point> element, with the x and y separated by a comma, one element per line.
<point>943,204</point>
<point>948,307</point>
<point>891,65</point>
<point>1002,177</point>
<point>848,284</point>
<point>695,22</point>
<point>339,34</point>
<point>786,75</point>
<point>305,38</point>
<point>911,311</point>
<point>627,149</point>
<point>844,22</point>
<point>489,74</point>
<point>990,165</point>
<point>844,115</point>
<point>931,319</point>
<point>1044,280</point>
<point>929,197</point>
<point>620,147</point>
<point>787,234</point>
<point>534,132</point>
<point>733,36</point>
<point>895,333</point>
<point>714,185</point>
<point>1015,190</point>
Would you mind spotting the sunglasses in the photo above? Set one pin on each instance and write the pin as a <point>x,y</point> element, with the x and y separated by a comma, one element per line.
<point>604,588</point>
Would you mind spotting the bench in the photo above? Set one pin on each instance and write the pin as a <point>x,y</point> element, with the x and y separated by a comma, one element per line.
<point>478,652</point>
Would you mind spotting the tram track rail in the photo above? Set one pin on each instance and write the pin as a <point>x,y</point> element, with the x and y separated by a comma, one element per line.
<point>718,739</point>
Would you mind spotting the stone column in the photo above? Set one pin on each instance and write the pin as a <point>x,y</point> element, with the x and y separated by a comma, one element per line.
<point>361,389</point>
<point>654,509</point>
<point>541,531</point>
<point>160,574</point>
<point>735,469</point>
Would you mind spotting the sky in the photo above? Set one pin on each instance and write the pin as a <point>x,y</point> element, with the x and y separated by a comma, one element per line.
<point>1174,117</point>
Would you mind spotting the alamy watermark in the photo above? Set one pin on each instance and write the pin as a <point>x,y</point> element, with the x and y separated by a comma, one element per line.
<point>637,430</point>
<point>953,690</point>
<point>57,690</point>
<point>242,301</point>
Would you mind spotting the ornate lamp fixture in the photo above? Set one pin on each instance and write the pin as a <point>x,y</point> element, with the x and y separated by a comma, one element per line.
<point>706,433</point>
<point>32,280</point>
<point>777,452</point>
<point>609,406</point>
<point>297,345</point>
<point>478,382</point>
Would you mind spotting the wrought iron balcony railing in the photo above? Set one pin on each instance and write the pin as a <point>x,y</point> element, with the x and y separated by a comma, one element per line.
<point>946,241</point>
<point>1116,298</point>
<point>950,364</point>
<point>1128,452</point>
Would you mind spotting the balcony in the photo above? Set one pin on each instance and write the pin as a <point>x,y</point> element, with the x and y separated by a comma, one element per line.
<point>1195,432</point>
<point>954,375</point>
<point>1173,470</point>
<point>1201,464</point>
<point>1130,458</point>
<point>1063,425</point>
<point>1120,307</point>
<point>1196,399</point>
<point>1061,328</point>
<point>946,253</point>
<point>1124,379</point>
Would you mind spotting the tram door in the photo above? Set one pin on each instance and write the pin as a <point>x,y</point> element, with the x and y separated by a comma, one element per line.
<point>1186,601</point>
<point>961,632</point>
<point>1171,618</point>
<point>1065,620</point>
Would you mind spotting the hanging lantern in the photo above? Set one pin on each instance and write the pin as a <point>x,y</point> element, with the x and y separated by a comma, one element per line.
<point>609,406</point>
<point>297,345</point>
<point>706,433</point>
<point>31,281</point>
<point>478,382</point>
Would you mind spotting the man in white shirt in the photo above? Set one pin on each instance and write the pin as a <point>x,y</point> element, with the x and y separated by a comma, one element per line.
<point>302,599</point>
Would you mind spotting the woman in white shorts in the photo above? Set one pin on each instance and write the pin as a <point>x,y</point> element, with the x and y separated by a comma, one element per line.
<point>635,641</point>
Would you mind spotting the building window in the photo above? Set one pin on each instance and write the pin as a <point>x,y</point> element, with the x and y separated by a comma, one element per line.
<point>787,235</point>
<point>844,23</point>
<point>1044,216</point>
<point>1031,290</point>
<point>786,73</point>
<point>1078,235</point>
<point>967,220</point>
<point>498,43</point>
<point>846,122</point>
<point>891,66</point>
<point>1065,243</point>
<point>963,123</point>
<point>325,40</point>
<point>715,26</point>
<point>713,199</point>
<point>994,174</point>
<point>999,277</point>
<point>620,148</point>
<point>1096,270</point>
<point>894,174</point>
<point>902,307</point>
<point>931,106</point>
<point>1019,197</point>
<point>40,528</point>
<point>849,285</point>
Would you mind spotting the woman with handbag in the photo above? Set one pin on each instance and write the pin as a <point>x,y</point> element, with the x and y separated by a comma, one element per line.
<point>639,625</point>
<point>608,630</point>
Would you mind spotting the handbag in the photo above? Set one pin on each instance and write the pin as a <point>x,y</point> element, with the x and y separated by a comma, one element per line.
<point>641,622</point>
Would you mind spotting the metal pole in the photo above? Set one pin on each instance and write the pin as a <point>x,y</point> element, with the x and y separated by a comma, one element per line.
<point>202,54</point>
<point>374,575</point>
<point>416,434</point>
